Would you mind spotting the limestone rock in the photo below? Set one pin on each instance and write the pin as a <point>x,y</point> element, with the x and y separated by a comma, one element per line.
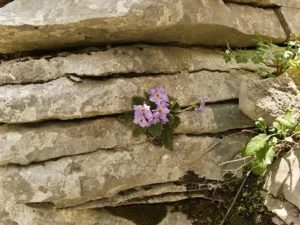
<point>64,99</point>
<point>269,98</point>
<point>283,186</point>
<point>26,215</point>
<point>78,179</point>
<point>24,144</point>
<point>269,3</point>
<point>215,118</point>
<point>124,60</point>
<point>59,24</point>
<point>286,211</point>
<point>291,16</point>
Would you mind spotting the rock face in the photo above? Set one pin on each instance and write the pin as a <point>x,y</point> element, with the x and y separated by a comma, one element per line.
<point>269,98</point>
<point>282,183</point>
<point>269,3</point>
<point>60,24</point>
<point>290,16</point>
<point>123,60</point>
<point>78,179</point>
<point>24,144</point>
<point>36,102</point>
<point>66,155</point>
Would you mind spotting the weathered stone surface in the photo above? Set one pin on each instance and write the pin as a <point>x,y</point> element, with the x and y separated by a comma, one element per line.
<point>291,16</point>
<point>5,219</point>
<point>64,99</point>
<point>39,142</point>
<point>26,215</point>
<point>215,118</point>
<point>60,24</point>
<point>283,181</point>
<point>103,174</point>
<point>136,59</point>
<point>23,144</point>
<point>269,3</point>
<point>283,209</point>
<point>269,98</point>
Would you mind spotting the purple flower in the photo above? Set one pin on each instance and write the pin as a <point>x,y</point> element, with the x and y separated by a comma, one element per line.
<point>162,112</point>
<point>202,105</point>
<point>142,111</point>
<point>155,119</point>
<point>140,120</point>
<point>158,95</point>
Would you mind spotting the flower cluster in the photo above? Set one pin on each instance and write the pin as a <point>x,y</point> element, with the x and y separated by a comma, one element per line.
<point>145,117</point>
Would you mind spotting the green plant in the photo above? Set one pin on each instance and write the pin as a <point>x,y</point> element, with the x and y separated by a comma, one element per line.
<point>155,116</point>
<point>278,58</point>
<point>272,141</point>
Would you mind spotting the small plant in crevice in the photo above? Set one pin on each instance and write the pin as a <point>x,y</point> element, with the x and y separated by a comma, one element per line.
<point>155,115</point>
<point>272,142</point>
<point>278,58</point>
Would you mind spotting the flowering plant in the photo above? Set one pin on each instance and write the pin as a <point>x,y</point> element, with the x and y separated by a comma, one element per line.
<point>155,116</point>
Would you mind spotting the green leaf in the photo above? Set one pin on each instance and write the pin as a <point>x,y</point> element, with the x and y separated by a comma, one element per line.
<point>285,123</point>
<point>297,129</point>
<point>167,137</point>
<point>137,130</point>
<point>241,58</point>
<point>289,117</point>
<point>261,124</point>
<point>174,121</point>
<point>155,130</point>
<point>256,59</point>
<point>174,106</point>
<point>128,116</point>
<point>277,126</point>
<point>264,158</point>
<point>256,144</point>
<point>136,100</point>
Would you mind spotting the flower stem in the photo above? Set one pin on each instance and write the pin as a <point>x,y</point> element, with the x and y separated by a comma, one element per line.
<point>186,109</point>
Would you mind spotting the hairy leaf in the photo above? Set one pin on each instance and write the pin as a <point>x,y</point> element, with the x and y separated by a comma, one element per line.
<point>136,100</point>
<point>261,124</point>
<point>263,158</point>
<point>155,130</point>
<point>256,144</point>
<point>297,129</point>
<point>137,130</point>
<point>128,117</point>
<point>174,121</point>
<point>167,137</point>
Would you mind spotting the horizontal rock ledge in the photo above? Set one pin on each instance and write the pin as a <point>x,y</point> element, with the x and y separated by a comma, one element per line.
<point>124,60</point>
<point>64,99</point>
<point>268,3</point>
<point>75,180</point>
<point>24,144</point>
<point>163,215</point>
<point>61,24</point>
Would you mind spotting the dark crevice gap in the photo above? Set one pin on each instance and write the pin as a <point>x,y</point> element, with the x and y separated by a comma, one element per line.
<point>64,52</point>
<point>67,156</point>
<point>5,2</point>
<point>252,4</point>
<point>82,119</point>
<point>283,23</point>
<point>129,75</point>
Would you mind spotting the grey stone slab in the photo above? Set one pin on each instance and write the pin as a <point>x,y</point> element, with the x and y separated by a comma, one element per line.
<point>64,23</point>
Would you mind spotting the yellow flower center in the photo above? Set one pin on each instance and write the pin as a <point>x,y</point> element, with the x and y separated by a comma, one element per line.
<point>157,95</point>
<point>143,110</point>
<point>141,120</point>
<point>160,110</point>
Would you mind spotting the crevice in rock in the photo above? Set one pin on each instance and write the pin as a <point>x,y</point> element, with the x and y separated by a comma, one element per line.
<point>69,156</point>
<point>283,23</point>
<point>253,4</point>
<point>113,115</point>
<point>5,2</point>
<point>129,75</point>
